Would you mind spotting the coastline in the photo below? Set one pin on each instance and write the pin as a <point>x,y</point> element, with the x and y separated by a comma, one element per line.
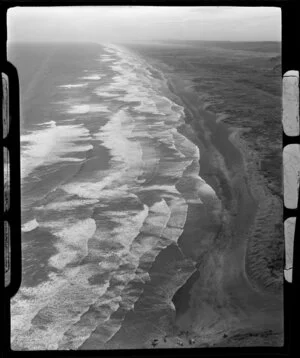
<point>200,286</point>
<point>227,169</point>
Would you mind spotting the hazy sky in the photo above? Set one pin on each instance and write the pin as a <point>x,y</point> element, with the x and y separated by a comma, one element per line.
<point>125,24</point>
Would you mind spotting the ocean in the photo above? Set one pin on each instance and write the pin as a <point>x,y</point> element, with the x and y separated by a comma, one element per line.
<point>107,179</point>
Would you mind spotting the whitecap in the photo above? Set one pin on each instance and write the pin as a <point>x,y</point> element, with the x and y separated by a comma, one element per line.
<point>77,85</point>
<point>116,134</point>
<point>73,295</point>
<point>88,108</point>
<point>66,205</point>
<point>30,225</point>
<point>47,146</point>
<point>91,77</point>
<point>49,124</point>
<point>106,60</point>
<point>41,315</point>
<point>98,108</point>
<point>79,109</point>
<point>73,241</point>
<point>105,93</point>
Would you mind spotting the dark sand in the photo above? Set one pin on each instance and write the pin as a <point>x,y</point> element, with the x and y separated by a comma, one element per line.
<point>219,305</point>
<point>220,302</point>
<point>216,305</point>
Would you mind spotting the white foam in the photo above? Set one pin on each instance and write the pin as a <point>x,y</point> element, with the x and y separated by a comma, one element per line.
<point>69,296</point>
<point>57,304</point>
<point>106,60</point>
<point>129,225</point>
<point>88,108</point>
<point>30,225</point>
<point>167,188</point>
<point>50,123</point>
<point>134,78</point>
<point>103,188</point>
<point>117,136</point>
<point>73,243</point>
<point>77,85</point>
<point>159,207</point>
<point>99,108</point>
<point>108,301</point>
<point>47,146</point>
<point>186,146</point>
<point>178,207</point>
<point>66,205</point>
<point>105,92</point>
<point>154,225</point>
<point>79,109</point>
<point>91,77</point>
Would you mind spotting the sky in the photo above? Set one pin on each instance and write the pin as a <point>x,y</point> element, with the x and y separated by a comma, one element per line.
<point>136,23</point>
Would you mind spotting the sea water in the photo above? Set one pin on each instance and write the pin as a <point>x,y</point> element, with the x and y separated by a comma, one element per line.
<point>101,156</point>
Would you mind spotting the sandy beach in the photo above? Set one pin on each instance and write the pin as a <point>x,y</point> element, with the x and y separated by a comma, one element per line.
<point>225,302</point>
<point>151,188</point>
<point>148,218</point>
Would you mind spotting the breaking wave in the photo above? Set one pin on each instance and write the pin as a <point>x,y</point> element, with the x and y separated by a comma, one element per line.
<point>116,219</point>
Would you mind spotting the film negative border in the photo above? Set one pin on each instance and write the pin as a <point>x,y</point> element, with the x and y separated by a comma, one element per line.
<point>289,122</point>
<point>11,224</point>
<point>291,163</point>
<point>6,180</point>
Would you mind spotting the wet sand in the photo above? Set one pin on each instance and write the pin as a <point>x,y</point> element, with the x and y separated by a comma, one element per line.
<point>218,306</point>
<point>199,293</point>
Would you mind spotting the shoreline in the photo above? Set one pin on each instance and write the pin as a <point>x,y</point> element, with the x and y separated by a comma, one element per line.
<point>242,210</point>
<point>215,304</point>
<point>191,289</point>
